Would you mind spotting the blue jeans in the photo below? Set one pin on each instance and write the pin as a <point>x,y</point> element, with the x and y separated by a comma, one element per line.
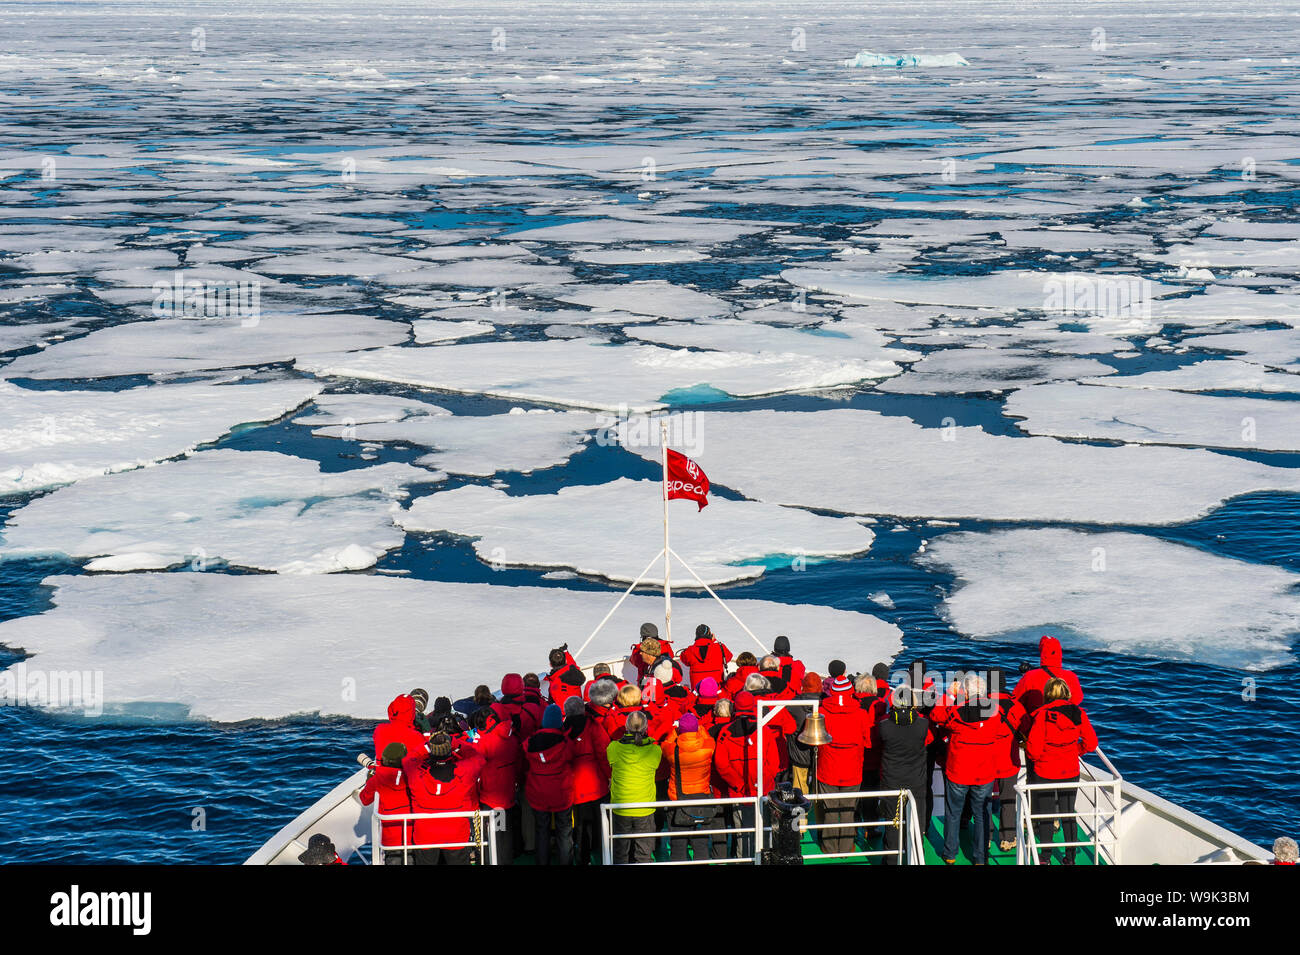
<point>954,800</point>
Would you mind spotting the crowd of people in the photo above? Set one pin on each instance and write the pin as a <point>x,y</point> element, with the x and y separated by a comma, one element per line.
<point>550,749</point>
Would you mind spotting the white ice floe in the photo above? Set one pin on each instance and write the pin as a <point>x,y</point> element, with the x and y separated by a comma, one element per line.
<point>647,256</point>
<point>253,509</point>
<point>1156,416</point>
<point>830,340</point>
<point>660,299</point>
<point>1272,348</point>
<point>867,58</point>
<point>1072,293</point>
<point>233,648</point>
<point>888,465</point>
<point>1095,590</point>
<point>1223,374</point>
<point>175,345</point>
<point>726,542</point>
<point>478,445</point>
<point>964,370</point>
<point>56,437</point>
<point>428,331</point>
<point>14,337</point>
<point>582,373</point>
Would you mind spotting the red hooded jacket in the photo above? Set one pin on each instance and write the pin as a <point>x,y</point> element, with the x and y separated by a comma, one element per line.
<point>975,743</point>
<point>839,763</point>
<point>736,757</point>
<point>549,786</point>
<point>400,728</point>
<point>389,784</point>
<point>590,764</point>
<point>736,682</point>
<point>706,657</point>
<point>1029,688</point>
<point>449,786</point>
<point>503,764</point>
<point>1060,734</point>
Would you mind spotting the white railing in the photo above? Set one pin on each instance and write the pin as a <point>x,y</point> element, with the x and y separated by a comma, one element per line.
<point>1098,817</point>
<point>485,826</point>
<point>608,835</point>
<point>910,851</point>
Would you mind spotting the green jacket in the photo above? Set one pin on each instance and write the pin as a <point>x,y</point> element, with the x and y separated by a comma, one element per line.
<point>632,774</point>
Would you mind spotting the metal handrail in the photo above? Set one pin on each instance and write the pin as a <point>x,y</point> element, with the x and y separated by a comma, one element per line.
<point>495,818</point>
<point>910,849</point>
<point>1107,850</point>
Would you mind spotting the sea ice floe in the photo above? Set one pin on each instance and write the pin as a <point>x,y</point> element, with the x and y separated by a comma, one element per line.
<point>653,255</point>
<point>889,465</point>
<point>429,331</point>
<point>726,542</point>
<point>1156,416</point>
<point>174,345</point>
<point>660,299</point>
<point>582,373</point>
<point>830,340</point>
<point>1223,374</point>
<point>57,437</point>
<point>1272,348</point>
<point>965,370</point>
<point>260,510</point>
<point>697,232</point>
<point>1125,593</point>
<point>1075,293</point>
<point>478,445</point>
<point>244,647</point>
<point>924,60</point>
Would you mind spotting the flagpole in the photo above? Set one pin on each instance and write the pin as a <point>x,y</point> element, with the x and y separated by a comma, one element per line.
<point>668,587</point>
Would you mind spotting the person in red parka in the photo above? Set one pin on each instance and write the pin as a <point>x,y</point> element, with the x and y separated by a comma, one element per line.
<point>590,775</point>
<point>707,657</point>
<point>400,728</point>
<point>502,750</point>
<point>1059,735</point>
<point>1029,688</point>
<point>548,787</point>
<point>976,743</point>
<point>512,707</point>
<point>443,781</point>
<point>1014,722</point>
<point>533,702</point>
<point>648,650</point>
<point>736,760</point>
<point>601,672</point>
<point>707,695</point>
<point>746,664</point>
<point>677,697</point>
<point>388,782</point>
<point>565,678</point>
<point>626,701</point>
<point>793,670</point>
<point>839,762</point>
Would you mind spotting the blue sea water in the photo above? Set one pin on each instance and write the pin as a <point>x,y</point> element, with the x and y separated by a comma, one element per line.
<point>159,788</point>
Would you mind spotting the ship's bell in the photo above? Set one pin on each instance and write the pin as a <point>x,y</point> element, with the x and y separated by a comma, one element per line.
<point>814,731</point>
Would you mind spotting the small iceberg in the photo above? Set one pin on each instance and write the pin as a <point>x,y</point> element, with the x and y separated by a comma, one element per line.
<point>867,58</point>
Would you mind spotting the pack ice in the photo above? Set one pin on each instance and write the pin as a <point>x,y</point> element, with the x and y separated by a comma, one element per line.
<point>255,509</point>
<point>266,646</point>
<point>56,437</point>
<point>726,542</point>
<point>1096,590</point>
<point>1153,416</point>
<point>586,374</point>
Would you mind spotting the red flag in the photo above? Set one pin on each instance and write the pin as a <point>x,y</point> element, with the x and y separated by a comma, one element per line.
<point>687,479</point>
